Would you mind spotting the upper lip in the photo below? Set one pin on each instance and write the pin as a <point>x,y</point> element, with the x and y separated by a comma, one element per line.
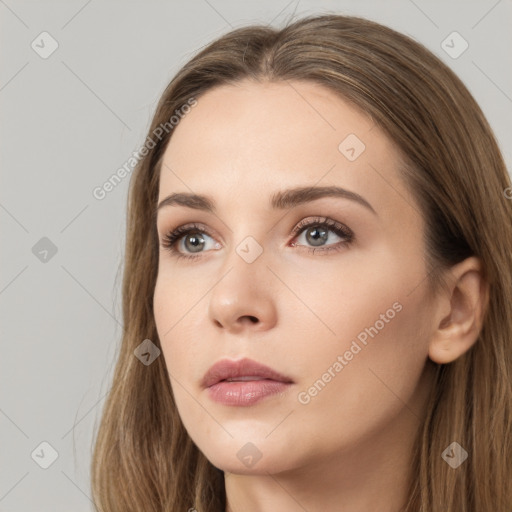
<point>227,368</point>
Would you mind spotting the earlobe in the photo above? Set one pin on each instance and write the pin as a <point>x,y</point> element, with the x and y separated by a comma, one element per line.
<point>459,324</point>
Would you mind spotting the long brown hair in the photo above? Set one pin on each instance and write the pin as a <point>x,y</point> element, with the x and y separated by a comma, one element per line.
<point>143,458</point>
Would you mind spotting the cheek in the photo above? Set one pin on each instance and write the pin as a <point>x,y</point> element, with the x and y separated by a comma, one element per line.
<point>181,347</point>
<point>372,307</point>
<point>361,377</point>
<point>337,302</point>
<point>173,309</point>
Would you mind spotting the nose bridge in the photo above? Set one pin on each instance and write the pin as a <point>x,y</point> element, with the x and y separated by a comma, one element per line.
<point>245,265</point>
<point>249,235</point>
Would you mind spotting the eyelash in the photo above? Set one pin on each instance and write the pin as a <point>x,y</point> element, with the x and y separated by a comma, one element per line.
<point>172,238</point>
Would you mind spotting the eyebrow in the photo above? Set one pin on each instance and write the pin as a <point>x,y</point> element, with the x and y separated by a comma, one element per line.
<point>279,200</point>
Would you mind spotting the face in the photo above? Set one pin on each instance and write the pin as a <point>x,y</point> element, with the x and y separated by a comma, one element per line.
<point>327,290</point>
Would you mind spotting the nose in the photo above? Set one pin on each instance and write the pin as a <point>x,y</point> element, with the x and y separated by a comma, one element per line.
<point>243,300</point>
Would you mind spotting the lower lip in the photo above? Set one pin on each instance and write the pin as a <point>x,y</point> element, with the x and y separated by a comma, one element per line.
<point>244,393</point>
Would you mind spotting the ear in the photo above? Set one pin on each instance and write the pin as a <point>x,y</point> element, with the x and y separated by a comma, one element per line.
<point>460,311</point>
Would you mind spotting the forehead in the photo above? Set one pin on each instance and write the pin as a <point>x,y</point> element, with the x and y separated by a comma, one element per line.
<point>247,138</point>
<point>267,120</point>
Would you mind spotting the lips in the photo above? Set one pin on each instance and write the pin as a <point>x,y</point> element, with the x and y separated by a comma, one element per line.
<point>243,370</point>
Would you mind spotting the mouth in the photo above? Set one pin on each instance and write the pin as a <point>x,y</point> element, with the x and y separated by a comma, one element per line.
<point>241,370</point>
<point>243,382</point>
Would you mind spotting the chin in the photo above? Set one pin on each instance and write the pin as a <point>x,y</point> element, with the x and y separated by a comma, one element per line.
<point>243,457</point>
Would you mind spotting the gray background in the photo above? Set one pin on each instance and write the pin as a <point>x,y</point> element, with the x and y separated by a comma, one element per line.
<point>68,123</point>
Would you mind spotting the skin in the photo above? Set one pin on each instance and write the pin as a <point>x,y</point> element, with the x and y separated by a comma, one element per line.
<point>349,448</point>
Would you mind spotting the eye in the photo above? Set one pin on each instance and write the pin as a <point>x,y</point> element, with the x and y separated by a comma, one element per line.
<point>316,232</point>
<point>191,237</point>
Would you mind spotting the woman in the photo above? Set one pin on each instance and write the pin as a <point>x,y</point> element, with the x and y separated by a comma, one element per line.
<point>317,289</point>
